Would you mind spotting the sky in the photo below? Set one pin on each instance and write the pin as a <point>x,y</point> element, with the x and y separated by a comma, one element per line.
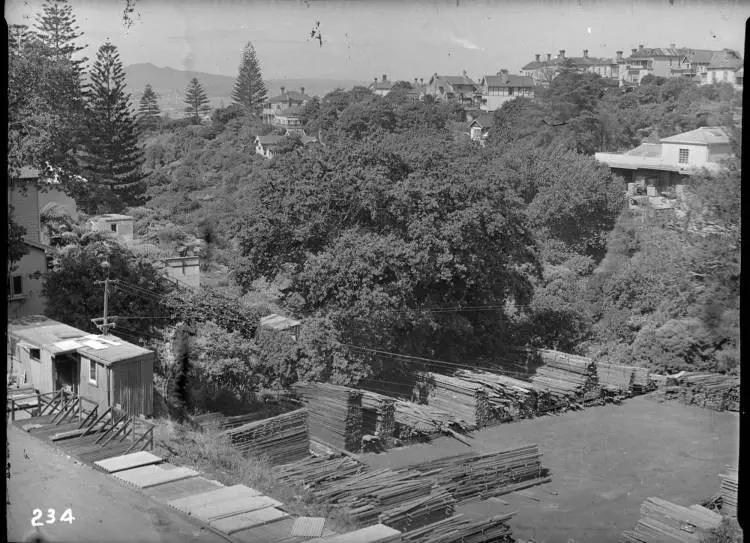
<point>406,39</point>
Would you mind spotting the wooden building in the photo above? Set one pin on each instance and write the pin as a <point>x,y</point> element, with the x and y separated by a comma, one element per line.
<point>273,324</point>
<point>103,368</point>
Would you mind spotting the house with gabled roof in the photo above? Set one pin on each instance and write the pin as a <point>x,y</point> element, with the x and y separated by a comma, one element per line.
<point>287,99</point>
<point>479,127</point>
<point>657,61</point>
<point>726,66</point>
<point>452,88</point>
<point>543,71</point>
<point>499,88</point>
<point>268,146</point>
<point>381,87</point>
<point>694,64</point>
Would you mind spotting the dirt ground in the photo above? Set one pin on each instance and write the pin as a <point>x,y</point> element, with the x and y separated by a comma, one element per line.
<point>103,509</point>
<point>604,461</point>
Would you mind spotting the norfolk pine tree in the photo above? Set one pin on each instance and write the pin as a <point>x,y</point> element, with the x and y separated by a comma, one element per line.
<point>148,108</point>
<point>112,153</point>
<point>249,90</point>
<point>196,100</point>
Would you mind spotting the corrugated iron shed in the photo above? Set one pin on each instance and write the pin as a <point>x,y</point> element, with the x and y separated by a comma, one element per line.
<point>277,322</point>
<point>308,527</point>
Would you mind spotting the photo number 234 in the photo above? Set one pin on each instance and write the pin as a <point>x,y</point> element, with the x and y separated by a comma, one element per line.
<point>39,519</point>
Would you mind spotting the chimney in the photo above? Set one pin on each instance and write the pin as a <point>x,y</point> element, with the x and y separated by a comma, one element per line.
<point>376,80</point>
<point>549,56</point>
<point>464,73</point>
<point>421,81</point>
<point>282,90</point>
<point>585,53</point>
<point>562,53</point>
<point>672,45</point>
<point>640,46</point>
<point>619,55</point>
<point>634,51</point>
<point>302,89</point>
<point>537,57</point>
<point>415,80</point>
<point>384,79</point>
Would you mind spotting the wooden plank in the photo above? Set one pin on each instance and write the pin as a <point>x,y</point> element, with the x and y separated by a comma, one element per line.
<point>235,492</point>
<point>128,461</point>
<point>370,534</point>
<point>214,511</point>
<point>146,476</point>
<point>267,533</point>
<point>243,521</point>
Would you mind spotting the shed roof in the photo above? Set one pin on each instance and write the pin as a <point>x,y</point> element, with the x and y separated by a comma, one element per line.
<point>646,149</point>
<point>110,349</point>
<point>270,140</point>
<point>111,217</point>
<point>508,80</point>
<point>706,135</point>
<point>40,331</point>
<point>277,322</point>
<point>484,120</point>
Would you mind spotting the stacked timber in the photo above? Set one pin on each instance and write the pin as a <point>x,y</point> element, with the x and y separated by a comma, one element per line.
<point>335,414</point>
<point>728,493</point>
<point>474,477</point>
<point>569,379</point>
<point>283,438</point>
<point>642,382</point>
<point>379,417</point>
<point>312,472</point>
<point>423,422</point>
<point>711,390</point>
<point>421,511</point>
<point>664,522</point>
<point>615,380</point>
<point>459,529</point>
<point>466,399</point>
<point>509,398</point>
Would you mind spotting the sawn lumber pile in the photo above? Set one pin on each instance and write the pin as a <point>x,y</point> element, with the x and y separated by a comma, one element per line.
<point>728,493</point>
<point>335,414</point>
<point>421,511</point>
<point>282,438</point>
<point>465,399</point>
<point>423,422</point>
<point>664,522</point>
<point>710,390</point>
<point>315,471</point>
<point>642,381</point>
<point>459,529</point>
<point>570,379</point>
<point>379,417</point>
<point>509,398</point>
<point>615,380</point>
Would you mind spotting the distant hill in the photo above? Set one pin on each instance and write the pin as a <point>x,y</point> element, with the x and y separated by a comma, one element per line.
<point>170,85</point>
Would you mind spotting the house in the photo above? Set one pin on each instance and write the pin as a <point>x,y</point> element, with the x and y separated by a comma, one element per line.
<point>289,118</point>
<point>285,100</point>
<point>452,88</point>
<point>267,146</point>
<point>694,65</point>
<point>274,323</point>
<point>184,270</point>
<point>498,89</point>
<point>24,282</point>
<point>103,368</point>
<point>120,225</point>
<point>658,170</point>
<point>543,71</point>
<point>417,91</point>
<point>479,128</point>
<point>382,87</point>
<point>657,61</point>
<point>725,66</point>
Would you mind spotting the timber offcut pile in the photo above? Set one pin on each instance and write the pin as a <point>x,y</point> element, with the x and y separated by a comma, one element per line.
<point>728,493</point>
<point>615,380</point>
<point>424,422</point>
<point>282,438</point>
<point>509,398</point>
<point>466,399</point>
<point>570,379</point>
<point>711,390</point>
<point>379,417</point>
<point>472,477</point>
<point>459,529</point>
<point>664,522</point>
<point>335,414</point>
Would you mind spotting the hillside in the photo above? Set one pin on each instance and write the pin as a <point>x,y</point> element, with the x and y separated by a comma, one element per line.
<point>170,84</point>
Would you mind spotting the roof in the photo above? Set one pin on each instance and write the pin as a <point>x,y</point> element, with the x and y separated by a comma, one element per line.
<point>485,120</point>
<point>699,56</point>
<point>707,135</point>
<point>646,149</point>
<point>270,140</point>
<point>36,245</point>
<point>57,338</point>
<point>111,217</point>
<point>277,322</point>
<point>577,61</point>
<point>651,52</point>
<point>381,85</point>
<point>508,80</point>
<point>294,96</point>
<point>293,111</point>
<point>726,59</point>
<point>452,79</point>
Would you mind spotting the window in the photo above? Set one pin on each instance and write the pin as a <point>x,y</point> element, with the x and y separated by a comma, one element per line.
<point>684,153</point>
<point>35,354</point>
<point>92,372</point>
<point>15,286</point>
<point>113,227</point>
<point>726,76</point>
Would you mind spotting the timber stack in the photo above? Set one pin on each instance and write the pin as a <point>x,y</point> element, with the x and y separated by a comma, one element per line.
<point>283,438</point>
<point>313,471</point>
<point>642,382</point>
<point>728,493</point>
<point>615,380</point>
<point>468,400</point>
<point>423,422</point>
<point>710,390</point>
<point>663,522</point>
<point>509,398</point>
<point>459,529</point>
<point>335,414</point>
<point>570,379</point>
<point>421,511</point>
<point>379,417</point>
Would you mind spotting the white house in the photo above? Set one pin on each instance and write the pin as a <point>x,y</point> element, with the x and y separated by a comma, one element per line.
<point>726,66</point>
<point>120,225</point>
<point>382,87</point>
<point>501,87</point>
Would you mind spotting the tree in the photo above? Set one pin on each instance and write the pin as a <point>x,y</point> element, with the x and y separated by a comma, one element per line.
<point>16,246</point>
<point>57,30</point>
<point>196,100</point>
<point>249,88</point>
<point>148,108</point>
<point>113,156</point>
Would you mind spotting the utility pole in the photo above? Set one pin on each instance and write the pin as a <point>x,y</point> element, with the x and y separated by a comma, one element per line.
<point>101,323</point>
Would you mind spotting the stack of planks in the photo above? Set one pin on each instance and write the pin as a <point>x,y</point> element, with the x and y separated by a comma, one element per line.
<point>467,400</point>
<point>664,522</point>
<point>615,380</point>
<point>314,471</point>
<point>335,414</point>
<point>642,382</point>
<point>474,477</point>
<point>379,417</point>
<point>283,438</point>
<point>423,422</point>
<point>459,529</point>
<point>711,390</point>
<point>420,511</point>
<point>509,398</point>
<point>570,379</point>
<point>728,493</point>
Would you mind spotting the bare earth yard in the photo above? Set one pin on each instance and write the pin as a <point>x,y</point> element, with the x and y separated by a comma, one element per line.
<point>604,462</point>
